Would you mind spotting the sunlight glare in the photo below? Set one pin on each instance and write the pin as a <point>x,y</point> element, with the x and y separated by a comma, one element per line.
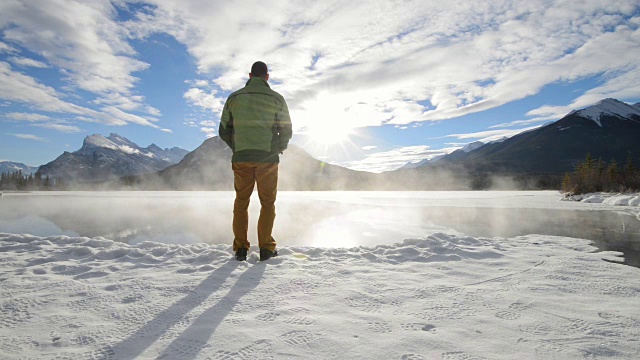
<point>328,133</point>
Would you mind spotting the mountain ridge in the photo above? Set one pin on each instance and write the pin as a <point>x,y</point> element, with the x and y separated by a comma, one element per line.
<point>12,166</point>
<point>608,129</point>
<point>104,158</point>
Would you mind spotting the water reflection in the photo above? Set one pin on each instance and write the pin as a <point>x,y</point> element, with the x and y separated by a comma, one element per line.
<point>326,221</point>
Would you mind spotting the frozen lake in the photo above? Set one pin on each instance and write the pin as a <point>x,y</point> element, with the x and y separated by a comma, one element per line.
<point>320,219</point>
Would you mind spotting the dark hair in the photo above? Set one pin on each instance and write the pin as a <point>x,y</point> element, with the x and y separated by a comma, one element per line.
<point>259,69</point>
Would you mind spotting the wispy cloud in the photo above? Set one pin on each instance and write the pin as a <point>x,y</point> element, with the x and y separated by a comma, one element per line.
<point>27,62</point>
<point>43,121</point>
<point>60,127</point>
<point>28,137</point>
<point>26,117</point>
<point>536,120</point>
<point>490,135</point>
<point>15,86</point>
<point>4,48</point>
<point>395,158</point>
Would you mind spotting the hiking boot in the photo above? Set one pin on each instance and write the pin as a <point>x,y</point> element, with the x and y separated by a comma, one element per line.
<point>241,254</point>
<point>267,254</point>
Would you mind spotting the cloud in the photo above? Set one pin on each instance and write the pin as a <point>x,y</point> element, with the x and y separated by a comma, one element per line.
<point>399,63</point>
<point>198,83</point>
<point>624,86</point>
<point>28,137</point>
<point>15,86</point>
<point>27,62</point>
<point>115,116</point>
<point>4,48</point>
<point>42,121</point>
<point>554,116</point>
<point>490,135</point>
<point>60,127</point>
<point>395,158</point>
<point>127,103</point>
<point>26,117</point>
<point>352,64</point>
<point>209,131</point>
<point>128,150</point>
<point>82,39</point>
<point>205,100</point>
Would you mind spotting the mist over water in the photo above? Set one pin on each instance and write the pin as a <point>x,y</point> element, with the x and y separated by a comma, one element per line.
<point>320,219</point>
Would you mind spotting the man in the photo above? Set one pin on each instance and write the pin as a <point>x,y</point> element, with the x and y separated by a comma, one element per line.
<point>255,124</point>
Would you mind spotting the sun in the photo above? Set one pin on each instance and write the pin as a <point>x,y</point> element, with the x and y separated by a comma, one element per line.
<point>328,134</point>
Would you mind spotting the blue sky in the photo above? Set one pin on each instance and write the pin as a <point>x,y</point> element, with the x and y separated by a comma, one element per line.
<point>370,85</point>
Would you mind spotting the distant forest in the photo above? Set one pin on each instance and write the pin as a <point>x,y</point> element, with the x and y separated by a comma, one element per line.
<point>18,181</point>
<point>597,176</point>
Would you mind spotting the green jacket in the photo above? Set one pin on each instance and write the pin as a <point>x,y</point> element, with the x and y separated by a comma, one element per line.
<point>255,123</point>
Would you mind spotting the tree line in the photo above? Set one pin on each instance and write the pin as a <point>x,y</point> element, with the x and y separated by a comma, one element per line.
<point>599,176</point>
<point>18,181</point>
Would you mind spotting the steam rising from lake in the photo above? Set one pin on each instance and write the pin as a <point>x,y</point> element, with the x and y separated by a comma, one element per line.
<point>323,219</point>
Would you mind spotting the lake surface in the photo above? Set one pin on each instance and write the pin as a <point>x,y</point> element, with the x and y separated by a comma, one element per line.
<point>320,219</point>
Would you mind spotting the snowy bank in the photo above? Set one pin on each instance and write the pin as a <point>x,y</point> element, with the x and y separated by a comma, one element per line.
<point>606,199</point>
<point>442,296</point>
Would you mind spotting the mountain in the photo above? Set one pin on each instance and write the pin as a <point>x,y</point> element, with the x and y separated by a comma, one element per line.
<point>209,168</point>
<point>104,158</point>
<point>413,165</point>
<point>467,148</point>
<point>609,130</point>
<point>10,167</point>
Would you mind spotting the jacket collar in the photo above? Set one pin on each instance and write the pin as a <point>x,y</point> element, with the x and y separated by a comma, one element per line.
<point>257,81</point>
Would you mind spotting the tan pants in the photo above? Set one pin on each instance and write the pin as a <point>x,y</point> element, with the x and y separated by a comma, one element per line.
<point>246,175</point>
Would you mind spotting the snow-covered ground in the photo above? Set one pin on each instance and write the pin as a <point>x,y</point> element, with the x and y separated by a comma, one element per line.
<point>439,296</point>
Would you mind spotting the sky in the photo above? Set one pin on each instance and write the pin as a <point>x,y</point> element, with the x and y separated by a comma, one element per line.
<point>371,85</point>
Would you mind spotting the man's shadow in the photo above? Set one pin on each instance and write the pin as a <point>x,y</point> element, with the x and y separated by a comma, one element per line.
<point>135,344</point>
<point>201,330</point>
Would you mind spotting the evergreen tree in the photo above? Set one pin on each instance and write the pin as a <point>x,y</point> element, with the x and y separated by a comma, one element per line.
<point>613,177</point>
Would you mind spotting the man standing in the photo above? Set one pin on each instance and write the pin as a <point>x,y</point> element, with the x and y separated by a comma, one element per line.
<point>256,125</point>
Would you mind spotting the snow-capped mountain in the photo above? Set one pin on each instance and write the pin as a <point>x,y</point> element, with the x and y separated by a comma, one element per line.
<point>11,167</point>
<point>472,146</point>
<point>609,107</point>
<point>103,158</point>
<point>610,129</point>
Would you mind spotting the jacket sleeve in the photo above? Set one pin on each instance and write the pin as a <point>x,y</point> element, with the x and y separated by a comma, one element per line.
<point>225,131</point>
<point>285,130</point>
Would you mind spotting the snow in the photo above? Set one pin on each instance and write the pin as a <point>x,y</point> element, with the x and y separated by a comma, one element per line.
<point>472,146</point>
<point>607,199</point>
<point>440,295</point>
<point>10,166</point>
<point>100,141</point>
<point>609,107</point>
<point>129,150</point>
